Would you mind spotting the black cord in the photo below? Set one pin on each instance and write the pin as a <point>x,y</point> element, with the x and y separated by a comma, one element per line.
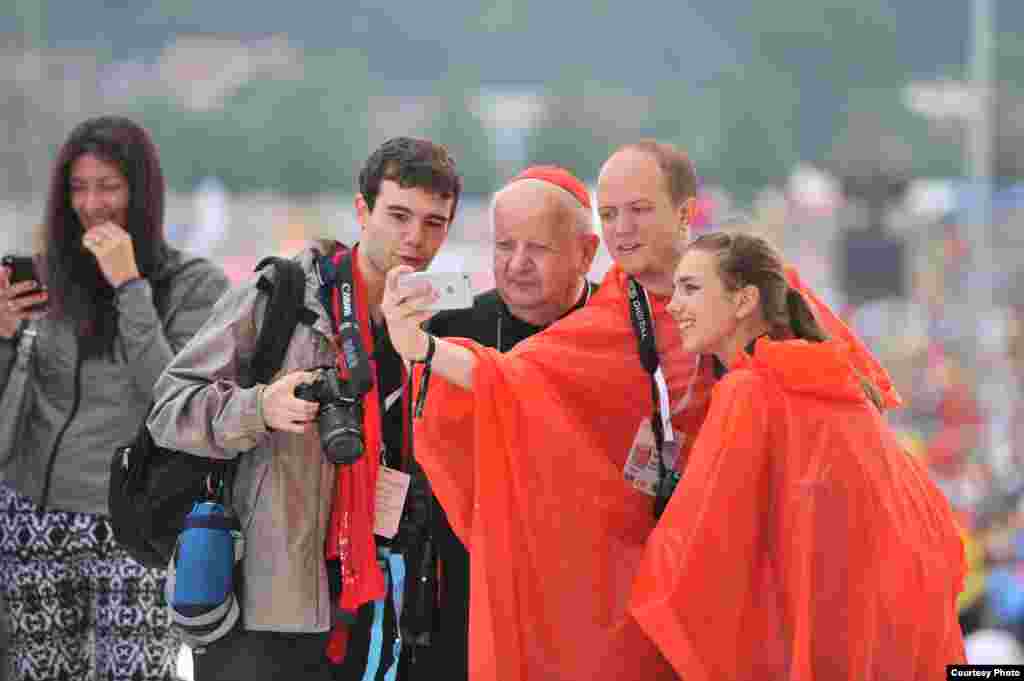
<point>421,396</point>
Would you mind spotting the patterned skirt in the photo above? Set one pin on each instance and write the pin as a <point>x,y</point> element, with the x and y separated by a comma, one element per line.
<point>77,606</point>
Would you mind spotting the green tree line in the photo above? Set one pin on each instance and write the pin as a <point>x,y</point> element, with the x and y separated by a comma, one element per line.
<point>747,88</point>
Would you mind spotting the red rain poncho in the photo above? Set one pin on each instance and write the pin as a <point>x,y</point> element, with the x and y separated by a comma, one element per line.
<point>802,542</point>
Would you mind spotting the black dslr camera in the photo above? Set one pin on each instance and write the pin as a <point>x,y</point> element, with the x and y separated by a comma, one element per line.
<point>339,418</point>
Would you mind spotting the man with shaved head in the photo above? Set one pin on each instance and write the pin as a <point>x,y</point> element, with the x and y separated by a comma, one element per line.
<point>544,244</point>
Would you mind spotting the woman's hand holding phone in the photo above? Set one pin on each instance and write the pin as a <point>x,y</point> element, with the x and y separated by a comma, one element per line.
<point>21,296</point>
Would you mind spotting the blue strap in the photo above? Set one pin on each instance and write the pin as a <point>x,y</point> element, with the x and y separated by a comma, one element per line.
<point>376,642</point>
<point>396,565</point>
<point>393,565</point>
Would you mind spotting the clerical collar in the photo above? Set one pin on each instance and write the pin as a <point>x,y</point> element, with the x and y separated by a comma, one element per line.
<point>584,298</point>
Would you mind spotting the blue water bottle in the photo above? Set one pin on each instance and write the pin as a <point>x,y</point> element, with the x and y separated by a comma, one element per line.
<point>200,582</point>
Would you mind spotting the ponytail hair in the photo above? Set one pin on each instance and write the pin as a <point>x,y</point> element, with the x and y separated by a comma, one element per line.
<point>748,260</point>
<point>804,324</point>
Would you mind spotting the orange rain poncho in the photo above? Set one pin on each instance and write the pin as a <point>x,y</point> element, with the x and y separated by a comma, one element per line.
<point>529,469</point>
<point>802,542</point>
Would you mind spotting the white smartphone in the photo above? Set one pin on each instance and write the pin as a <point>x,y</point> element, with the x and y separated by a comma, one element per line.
<point>454,288</point>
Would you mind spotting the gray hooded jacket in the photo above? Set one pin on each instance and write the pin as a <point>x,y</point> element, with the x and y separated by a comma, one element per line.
<point>83,409</point>
<point>283,487</point>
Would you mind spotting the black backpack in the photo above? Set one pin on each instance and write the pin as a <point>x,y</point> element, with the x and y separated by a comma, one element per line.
<point>152,489</point>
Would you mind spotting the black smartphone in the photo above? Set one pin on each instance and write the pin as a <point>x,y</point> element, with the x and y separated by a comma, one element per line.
<point>22,268</point>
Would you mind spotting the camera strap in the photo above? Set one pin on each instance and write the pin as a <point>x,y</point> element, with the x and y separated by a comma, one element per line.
<point>354,354</point>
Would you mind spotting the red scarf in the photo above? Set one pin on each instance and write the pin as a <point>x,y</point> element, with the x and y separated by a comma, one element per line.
<point>350,534</point>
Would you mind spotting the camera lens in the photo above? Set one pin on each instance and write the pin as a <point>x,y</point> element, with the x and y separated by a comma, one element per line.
<point>341,431</point>
<point>343,447</point>
<point>305,391</point>
<point>339,418</point>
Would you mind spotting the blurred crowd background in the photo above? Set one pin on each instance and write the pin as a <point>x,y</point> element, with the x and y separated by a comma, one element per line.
<point>880,144</point>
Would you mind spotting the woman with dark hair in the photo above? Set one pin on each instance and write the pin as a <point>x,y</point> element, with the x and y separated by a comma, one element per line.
<point>112,304</point>
<point>802,541</point>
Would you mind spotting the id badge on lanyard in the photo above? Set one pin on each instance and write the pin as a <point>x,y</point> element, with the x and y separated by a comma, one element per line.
<point>647,465</point>
<point>392,489</point>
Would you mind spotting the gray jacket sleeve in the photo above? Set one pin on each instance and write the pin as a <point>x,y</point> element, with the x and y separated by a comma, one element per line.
<point>200,406</point>
<point>8,350</point>
<point>147,342</point>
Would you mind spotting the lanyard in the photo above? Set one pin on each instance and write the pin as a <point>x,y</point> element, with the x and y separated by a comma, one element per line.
<point>661,421</point>
<point>643,327</point>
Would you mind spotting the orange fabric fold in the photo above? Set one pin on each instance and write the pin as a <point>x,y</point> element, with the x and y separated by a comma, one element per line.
<point>802,542</point>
